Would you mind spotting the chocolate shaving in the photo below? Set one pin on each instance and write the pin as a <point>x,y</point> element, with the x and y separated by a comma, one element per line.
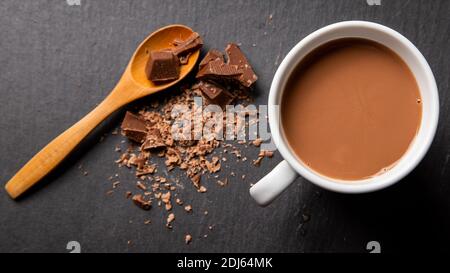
<point>202,189</point>
<point>188,208</point>
<point>196,180</point>
<point>213,165</point>
<point>140,202</point>
<point>147,169</point>
<point>187,238</point>
<point>153,140</point>
<point>261,155</point>
<point>170,219</point>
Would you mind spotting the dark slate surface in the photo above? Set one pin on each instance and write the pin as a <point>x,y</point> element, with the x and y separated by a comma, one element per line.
<point>59,61</point>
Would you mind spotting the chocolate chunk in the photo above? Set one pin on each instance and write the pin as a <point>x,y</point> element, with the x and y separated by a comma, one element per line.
<point>191,44</point>
<point>236,69</point>
<point>212,55</point>
<point>217,69</point>
<point>215,94</point>
<point>139,201</point>
<point>153,140</point>
<point>236,57</point>
<point>134,127</point>
<point>163,66</point>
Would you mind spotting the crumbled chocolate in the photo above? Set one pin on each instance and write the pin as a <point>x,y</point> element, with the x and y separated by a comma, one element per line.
<point>141,186</point>
<point>165,198</point>
<point>188,208</point>
<point>223,183</point>
<point>128,194</point>
<point>202,189</point>
<point>187,238</point>
<point>146,169</point>
<point>140,202</point>
<point>261,155</point>
<point>223,81</point>
<point>213,165</point>
<point>170,219</point>
<point>134,127</point>
<point>153,140</point>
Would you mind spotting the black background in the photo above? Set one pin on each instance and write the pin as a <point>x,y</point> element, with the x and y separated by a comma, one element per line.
<point>59,61</point>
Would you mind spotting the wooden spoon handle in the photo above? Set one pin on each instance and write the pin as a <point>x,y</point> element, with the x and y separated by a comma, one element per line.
<point>52,154</point>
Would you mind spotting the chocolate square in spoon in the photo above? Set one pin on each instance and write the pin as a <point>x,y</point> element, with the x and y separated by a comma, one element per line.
<point>163,66</point>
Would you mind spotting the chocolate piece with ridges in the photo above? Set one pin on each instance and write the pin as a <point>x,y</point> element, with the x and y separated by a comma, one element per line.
<point>212,55</point>
<point>215,94</point>
<point>134,127</point>
<point>236,57</point>
<point>217,69</point>
<point>163,66</point>
<point>192,43</point>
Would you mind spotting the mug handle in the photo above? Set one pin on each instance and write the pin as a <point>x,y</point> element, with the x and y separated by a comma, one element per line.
<point>274,183</point>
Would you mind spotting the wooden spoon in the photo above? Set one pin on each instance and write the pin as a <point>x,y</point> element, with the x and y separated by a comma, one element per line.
<point>133,85</point>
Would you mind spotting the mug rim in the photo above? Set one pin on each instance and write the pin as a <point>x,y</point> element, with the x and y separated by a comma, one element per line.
<point>384,180</point>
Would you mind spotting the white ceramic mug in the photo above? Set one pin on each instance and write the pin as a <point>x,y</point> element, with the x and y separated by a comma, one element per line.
<point>269,187</point>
